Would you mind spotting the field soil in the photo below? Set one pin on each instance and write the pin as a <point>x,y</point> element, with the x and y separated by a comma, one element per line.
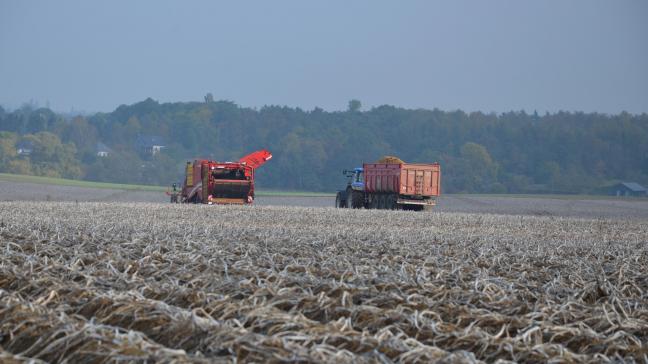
<point>94,282</point>
<point>20,191</point>
<point>570,206</point>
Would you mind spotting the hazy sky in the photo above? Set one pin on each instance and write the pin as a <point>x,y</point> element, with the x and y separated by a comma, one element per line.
<point>491,55</point>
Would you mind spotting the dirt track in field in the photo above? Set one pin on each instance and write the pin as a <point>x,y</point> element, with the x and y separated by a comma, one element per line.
<point>568,207</point>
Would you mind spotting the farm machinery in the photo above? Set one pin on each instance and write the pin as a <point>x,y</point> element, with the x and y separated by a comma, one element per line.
<point>211,182</point>
<point>391,184</point>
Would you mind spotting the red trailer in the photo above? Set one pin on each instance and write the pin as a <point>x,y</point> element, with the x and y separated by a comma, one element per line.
<point>395,185</point>
<point>402,184</point>
<point>212,182</point>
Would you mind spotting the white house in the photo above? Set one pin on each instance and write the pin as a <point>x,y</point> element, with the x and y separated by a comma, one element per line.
<point>103,150</point>
<point>150,144</point>
<point>24,148</point>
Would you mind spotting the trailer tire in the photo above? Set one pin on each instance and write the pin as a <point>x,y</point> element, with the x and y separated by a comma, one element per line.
<point>382,203</point>
<point>373,201</point>
<point>391,202</point>
<point>378,202</point>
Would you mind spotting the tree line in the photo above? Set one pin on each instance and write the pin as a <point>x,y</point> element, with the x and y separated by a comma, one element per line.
<point>513,152</point>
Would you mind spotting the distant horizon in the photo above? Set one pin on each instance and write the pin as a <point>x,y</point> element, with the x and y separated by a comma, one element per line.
<point>80,112</point>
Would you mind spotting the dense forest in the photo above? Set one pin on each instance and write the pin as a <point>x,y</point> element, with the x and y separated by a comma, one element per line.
<point>513,152</point>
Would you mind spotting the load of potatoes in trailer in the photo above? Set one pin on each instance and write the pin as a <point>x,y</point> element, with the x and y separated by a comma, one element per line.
<point>389,159</point>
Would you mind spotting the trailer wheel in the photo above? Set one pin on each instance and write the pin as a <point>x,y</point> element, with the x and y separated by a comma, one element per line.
<point>386,202</point>
<point>381,202</point>
<point>391,202</point>
<point>373,202</point>
<point>378,202</point>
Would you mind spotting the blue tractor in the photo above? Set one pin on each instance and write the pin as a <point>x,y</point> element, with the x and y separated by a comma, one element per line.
<point>353,195</point>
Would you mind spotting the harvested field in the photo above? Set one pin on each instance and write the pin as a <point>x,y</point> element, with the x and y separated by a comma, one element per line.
<point>570,206</point>
<point>21,191</point>
<point>86,282</point>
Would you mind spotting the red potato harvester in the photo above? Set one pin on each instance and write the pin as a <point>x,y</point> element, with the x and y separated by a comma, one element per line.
<point>212,182</point>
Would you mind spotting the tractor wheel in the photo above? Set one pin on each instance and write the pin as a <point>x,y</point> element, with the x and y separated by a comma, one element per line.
<point>339,202</point>
<point>357,199</point>
<point>349,198</point>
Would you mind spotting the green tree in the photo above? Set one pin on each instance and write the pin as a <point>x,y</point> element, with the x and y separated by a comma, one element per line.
<point>82,134</point>
<point>7,148</point>
<point>478,152</point>
<point>479,170</point>
<point>52,158</point>
<point>354,105</point>
<point>550,174</point>
<point>19,166</point>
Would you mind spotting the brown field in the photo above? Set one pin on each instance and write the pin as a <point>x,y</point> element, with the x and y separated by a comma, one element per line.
<point>96,282</point>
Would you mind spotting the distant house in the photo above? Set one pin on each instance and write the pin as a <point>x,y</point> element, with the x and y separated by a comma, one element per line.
<point>24,147</point>
<point>628,189</point>
<point>150,144</point>
<point>103,150</point>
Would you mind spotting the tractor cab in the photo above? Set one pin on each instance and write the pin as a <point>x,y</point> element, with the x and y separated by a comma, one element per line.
<point>355,178</point>
<point>355,182</point>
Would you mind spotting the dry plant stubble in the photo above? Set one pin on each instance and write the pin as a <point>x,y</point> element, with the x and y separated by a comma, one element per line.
<point>106,281</point>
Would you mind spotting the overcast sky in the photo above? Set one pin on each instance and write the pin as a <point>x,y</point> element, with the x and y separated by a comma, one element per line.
<point>583,55</point>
